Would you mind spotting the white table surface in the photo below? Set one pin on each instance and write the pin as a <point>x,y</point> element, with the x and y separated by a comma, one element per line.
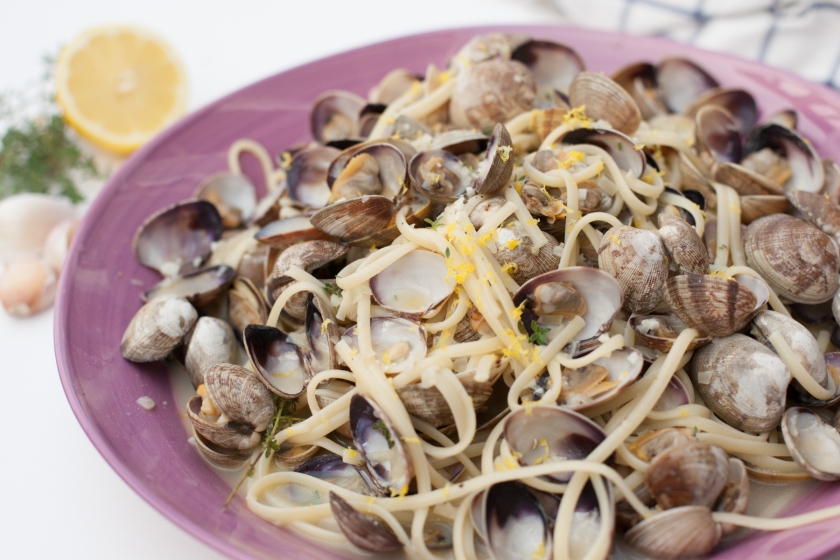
<point>59,497</point>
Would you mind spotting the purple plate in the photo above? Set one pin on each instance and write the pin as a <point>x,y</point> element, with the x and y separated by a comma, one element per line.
<point>100,288</point>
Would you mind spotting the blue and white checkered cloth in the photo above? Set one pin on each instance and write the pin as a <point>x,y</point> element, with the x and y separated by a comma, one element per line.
<point>800,35</point>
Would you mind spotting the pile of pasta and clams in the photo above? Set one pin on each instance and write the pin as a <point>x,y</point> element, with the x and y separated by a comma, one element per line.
<point>511,309</point>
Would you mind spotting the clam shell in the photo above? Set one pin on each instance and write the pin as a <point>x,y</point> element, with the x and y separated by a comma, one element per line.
<point>307,176</point>
<point>554,65</point>
<point>660,331</point>
<point>513,245</point>
<point>335,116</point>
<point>332,468</point>
<point>391,86</point>
<point>813,443</point>
<point>497,167</point>
<point>210,342</point>
<point>737,101</point>
<point>618,145</point>
<point>438,175</point>
<point>322,335</point>
<point>232,435</point>
<point>485,209</point>
<point>219,456</point>
<point>288,231</point>
<point>713,305</point>
<point>805,165</point>
<point>693,474</point>
<point>429,405</point>
<point>414,284</point>
<point>694,180</point>
<point>683,244</point>
<point>233,195</point>
<point>605,99</point>
<point>736,493</point>
<point>458,142</point>
<point>717,135</point>
<point>742,382</point>
<point>362,530</point>
<point>491,92</point>
<point>157,328</point>
<point>649,446</point>
<point>356,218</point>
<point>246,305</point>
<point>380,444</point>
<point>199,287</point>
<point>516,524</point>
<point>240,395</point>
<point>308,255</point>
<point>277,361</point>
<point>387,335</point>
<point>389,165</point>
<point>636,259</point>
<point>744,180</point>
<point>639,80</point>
<point>676,534</point>
<point>795,258</point>
<point>758,206</point>
<point>817,209</point>
<point>801,341</point>
<point>681,81</point>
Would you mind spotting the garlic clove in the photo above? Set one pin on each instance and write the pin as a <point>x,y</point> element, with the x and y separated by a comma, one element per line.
<point>27,219</point>
<point>58,243</point>
<point>27,286</point>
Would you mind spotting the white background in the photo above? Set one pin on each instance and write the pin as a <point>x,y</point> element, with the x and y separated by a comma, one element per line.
<point>59,497</point>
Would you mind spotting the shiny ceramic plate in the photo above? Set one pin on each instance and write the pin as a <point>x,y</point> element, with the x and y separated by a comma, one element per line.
<point>100,288</point>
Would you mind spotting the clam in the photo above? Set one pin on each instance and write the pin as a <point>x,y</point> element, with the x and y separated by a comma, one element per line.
<point>199,287</point>
<point>354,219</point>
<point>210,342</point>
<point>757,206</point>
<point>543,121</point>
<point>586,522</point>
<point>459,142</point>
<point>713,305</point>
<point>239,395</point>
<point>439,175</point>
<point>831,182</point>
<point>491,92</point>
<point>675,534</point>
<point>694,180</point>
<point>599,381</point>
<point>308,255</point>
<point>516,523</point>
<point>620,146</point>
<point>681,81</point>
<point>742,382</point>
<point>414,284</point>
<point>514,245</point>
<point>589,199</point>
<point>649,446</point>
<point>367,169</point>
<point>813,443</point>
<point>485,209</point>
<point>806,169</point>
<point>232,194</point>
<point>428,404</point>
<point>801,341</point>
<point>676,394</point>
<point>540,203</point>
<point>717,135</point>
<point>683,245</point>
<point>335,116</point>
<point>322,335</point>
<point>178,239</point>
<point>640,82</point>
<point>494,171</point>
<point>605,100</point>
<point>246,305</point>
<point>692,474</point>
<point>553,65</point>
<point>795,258</point>
<point>398,343</point>
<point>277,360</point>
<point>578,290</point>
<point>486,47</point>
<point>157,328</point>
<point>381,445</point>
<point>736,493</point>
<point>660,331</point>
<point>332,468</point>
<point>817,209</point>
<point>391,86</point>
<point>217,430</point>
<point>362,530</point>
<point>737,101</point>
<point>307,176</point>
<point>786,118</point>
<point>288,231</point>
<point>636,259</point>
<point>551,433</point>
<point>744,180</point>
<point>219,456</point>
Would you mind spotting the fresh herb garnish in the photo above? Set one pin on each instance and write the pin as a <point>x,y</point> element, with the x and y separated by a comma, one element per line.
<point>434,223</point>
<point>620,147</point>
<point>446,252</point>
<point>538,334</point>
<point>332,290</point>
<point>380,427</point>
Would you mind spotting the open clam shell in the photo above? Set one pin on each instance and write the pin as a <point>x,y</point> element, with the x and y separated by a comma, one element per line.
<point>618,145</point>
<point>220,457</point>
<point>322,335</point>
<point>157,328</point>
<point>308,255</point>
<point>605,99</point>
<point>601,293</point>
<point>795,258</point>
<point>516,523</point>
<point>458,142</point>
<point>736,493</point>
<point>438,175</point>
<point>398,343</point>
<point>681,81</point>
<point>277,360</point>
<point>335,116</point>
<point>495,170</point>
<point>832,365</point>
<point>743,179</point>
<point>601,380</point>
<point>232,435</point>
<point>551,433</point>
<point>640,82</point>
<point>232,194</point>
<point>676,394</point>
<point>210,342</point>
<point>660,331</point>
<point>391,86</point>
<point>653,444</point>
<point>240,395</point>
<point>554,65</point>
<point>354,219</point>
<point>714,305</point>
<point>179,238</point>
<point>806,167</point>
<point>742,382</point>
<point>368,169</point>
<point>693,474</point>
<point>246,305</point>
<point>199,287</point>
<point>813,443</point>
<point>361,529</point>
<point>737,101</point>
<point>757,206</point>
<point>387,459</point>
<point>307,176</point>
<point>717,134</point>
<point>332,468</point>
<point>676,534</point>
<point>414,284</point>
<point>801,341</point>
<point>288,231</point>
<point>428,404</point>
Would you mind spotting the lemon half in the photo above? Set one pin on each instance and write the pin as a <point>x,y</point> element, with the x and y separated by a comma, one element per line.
<point>119,86</point>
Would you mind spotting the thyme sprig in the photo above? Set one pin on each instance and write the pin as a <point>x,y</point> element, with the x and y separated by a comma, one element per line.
<point>538,334</point>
